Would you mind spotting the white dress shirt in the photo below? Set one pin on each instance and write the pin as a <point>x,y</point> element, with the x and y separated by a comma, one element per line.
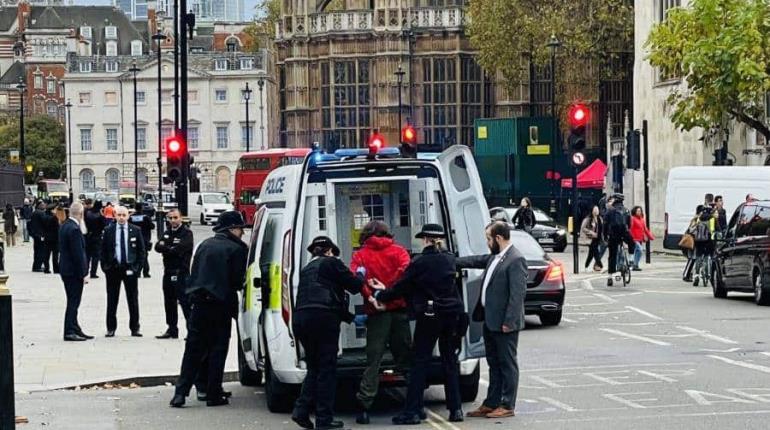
<point>118,251</point>
<point>491,271</point>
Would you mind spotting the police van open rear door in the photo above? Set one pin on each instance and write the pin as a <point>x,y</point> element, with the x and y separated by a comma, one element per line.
<point>468,216</point>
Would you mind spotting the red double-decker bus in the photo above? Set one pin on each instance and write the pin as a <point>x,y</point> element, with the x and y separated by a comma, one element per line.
<point>253,168</point>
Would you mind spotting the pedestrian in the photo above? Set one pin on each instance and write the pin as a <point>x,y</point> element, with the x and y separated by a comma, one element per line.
<point>429,283</point>
<point>109,213</point>
<point>750,198</point>
<point>708,200</point>
<point>690,250</point>
<point>51,233</point>
<point>321,306</point>
<point>501,308</point>
<point>218,273</point>
<point>176,246</point>
<point>25,214</point>
<point>640,233</point>
<point>73,270</point>
<point>95,224</point>
<point>593,229</point>
<point>145,224</point>
<point>122,258</point>
<point>720,213</point>
<point>385,261</point>
<point>617,222</point>
<point>704,242</point>
<point>524,219</point>
<point>9,224</point>
<point>37,231</point>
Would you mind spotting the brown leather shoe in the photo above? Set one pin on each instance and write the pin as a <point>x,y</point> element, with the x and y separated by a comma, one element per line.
<point>501,413</point>
<point>481,412</point>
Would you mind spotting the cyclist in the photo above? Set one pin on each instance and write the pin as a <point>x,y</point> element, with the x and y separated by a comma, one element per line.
<point>617,221</point>
<point>703,233</point>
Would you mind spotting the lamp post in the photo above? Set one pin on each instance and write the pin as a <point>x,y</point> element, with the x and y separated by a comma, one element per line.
<point>400,75</point>
<point>134,70</point>
<point>554,44</point>
<point>246,98</point>
<point>261,85</point>
<point>21,88</point>
<point>158,37</point>
<point>69,145</point>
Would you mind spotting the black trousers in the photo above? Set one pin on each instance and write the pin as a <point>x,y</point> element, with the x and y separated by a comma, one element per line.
<point>115,277</point>
<point>318,331</point>
<point>429,330</point>
<point>205,352</point>
<point>146,266</point>
<point>503,368</point>
<point>593,254</point>
<point>612,244</point>
<point>38,249</point>
<point>73,288</point>
<point>93,252</point>
<point>51,255</point>
<point>174,284</point>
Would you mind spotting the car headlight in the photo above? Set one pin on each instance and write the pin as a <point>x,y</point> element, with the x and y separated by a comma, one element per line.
<point>561,232</point>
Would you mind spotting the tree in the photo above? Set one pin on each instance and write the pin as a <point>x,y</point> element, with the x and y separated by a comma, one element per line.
<point>509,35</point>
<point>262,30</point>
<point>44,145</point>
<point>721,49</point>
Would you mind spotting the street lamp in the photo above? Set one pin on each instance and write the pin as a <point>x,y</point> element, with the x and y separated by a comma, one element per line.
<point>400,74</point>
<point>261,84</point>
<point>69,144</point>
<point>553,45</point>
<point>21,88</point>
<point>246,98</point>
<point>134,70</point>
<point>158,37</point>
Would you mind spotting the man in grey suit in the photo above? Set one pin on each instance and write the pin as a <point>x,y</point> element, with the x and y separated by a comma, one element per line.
<point>501,308</point>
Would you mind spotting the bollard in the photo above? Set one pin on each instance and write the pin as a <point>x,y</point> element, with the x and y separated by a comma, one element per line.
<point>7,407</point>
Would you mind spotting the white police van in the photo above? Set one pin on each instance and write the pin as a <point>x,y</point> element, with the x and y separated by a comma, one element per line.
<point>336,195</point>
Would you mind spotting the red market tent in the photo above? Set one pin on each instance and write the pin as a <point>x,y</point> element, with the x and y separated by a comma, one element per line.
<point>591,177</point>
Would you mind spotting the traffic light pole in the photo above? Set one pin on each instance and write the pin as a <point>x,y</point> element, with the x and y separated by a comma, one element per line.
<point>575,224</point>
<point>181,189</point>
<point>646,167</point>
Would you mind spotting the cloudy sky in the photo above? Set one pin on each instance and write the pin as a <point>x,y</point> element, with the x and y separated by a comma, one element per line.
<point>248,5</point>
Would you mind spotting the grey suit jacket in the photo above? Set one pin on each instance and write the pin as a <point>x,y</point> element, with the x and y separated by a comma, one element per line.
<point>506,290</point>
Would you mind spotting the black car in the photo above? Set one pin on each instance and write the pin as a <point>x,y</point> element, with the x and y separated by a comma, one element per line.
<point>547,233</point>
<point>545,285</point>
<point>743,256</point>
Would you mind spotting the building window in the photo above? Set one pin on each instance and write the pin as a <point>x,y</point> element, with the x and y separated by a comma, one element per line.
<point>84,98</point>
<point>141,138</point>
<point>52,109</point>
<point>192,96</point>
<point>440,101</point>
<point>111,135</point>
<point>51,86</point>
<point>110,98</point>
<point>664,6</point>
<point>222,137</point>
<point>220,96</point>
<point>165,132</point>
<point>232,45</point>
<point>85,67</point>
<point>247,63</point>
<point>87,180</point>
<point>136,48</point>
<point>38,81</point>
<point>220,64</point>
<point>140,98</point>
<point>113,179</point>
<point>346,86</point>
<point>85,139</point>
<point>86,32</point>
<point>111,32</point>
<point>476,97</point>
<point>250,135</point>
<point>111,66</point>
<point>192,137</point>
<point>167,97</point>
<point>112,48</point>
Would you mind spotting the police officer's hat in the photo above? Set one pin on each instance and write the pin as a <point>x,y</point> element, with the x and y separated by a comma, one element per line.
<point>618,197</point>
<point>228,220</point>
<point>324,242</point>
<point>431,230</point>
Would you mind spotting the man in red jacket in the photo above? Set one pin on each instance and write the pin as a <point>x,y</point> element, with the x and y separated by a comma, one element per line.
<point>386,324</point>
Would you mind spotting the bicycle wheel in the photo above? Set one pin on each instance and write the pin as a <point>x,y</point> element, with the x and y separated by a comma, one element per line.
<point>626,273</point>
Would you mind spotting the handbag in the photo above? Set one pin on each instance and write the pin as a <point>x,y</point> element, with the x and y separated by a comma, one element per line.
<point>687,241</point>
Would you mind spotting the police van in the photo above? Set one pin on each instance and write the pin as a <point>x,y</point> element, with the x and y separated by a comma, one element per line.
<point>336,195</point>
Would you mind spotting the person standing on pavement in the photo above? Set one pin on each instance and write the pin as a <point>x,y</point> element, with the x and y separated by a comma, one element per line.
<point>593,229</point>
<point>218,273</point>
<point>176,246</point>
<point>122,258</point>
<point>73,270</point>
<point>51,233</point>
<point>501,308</point>
<point>9,224</point>
<point>429,283</point>
<point>321,306</point>
<point>524,219</point>
<point>25,214</point>
<point>145,224</point>
<point>617,222</point>
<point>37,231</point>
<point>720,213</point>
<point>385,261</point>
<point>95,224</point>
<point>640,233</point>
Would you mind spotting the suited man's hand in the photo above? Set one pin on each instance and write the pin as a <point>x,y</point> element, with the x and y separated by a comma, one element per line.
<point>85,280</point>
<point>506,329</point>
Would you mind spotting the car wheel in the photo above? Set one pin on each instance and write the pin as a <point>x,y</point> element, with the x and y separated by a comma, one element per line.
<point>469,386</point>
<point>761,288</point>
<point>247,377</point>
<point>550,318</point>
<point>203,220</point>
<point>717,283</point>
<point>279,396</point>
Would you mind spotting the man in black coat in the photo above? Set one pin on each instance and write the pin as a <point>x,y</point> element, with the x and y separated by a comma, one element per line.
<point>25,214</point>
<point>218,273</point>
<point>145,224</point>
<point>95,224</point>
<point>122,258</point>
<point>37,231</point>
<point>51,243</point>
<point>176,246</point>
<point>73,271</point>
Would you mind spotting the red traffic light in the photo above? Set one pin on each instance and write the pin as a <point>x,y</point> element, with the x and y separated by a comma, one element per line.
<point>376,142</point>
<point>174,146</point>
<point>579,115</point>
<point>408,135</point>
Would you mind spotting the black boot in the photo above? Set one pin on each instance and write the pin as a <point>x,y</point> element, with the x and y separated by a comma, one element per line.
<point>362,417</point>
<point>177,401</point>
<point>456,416</point>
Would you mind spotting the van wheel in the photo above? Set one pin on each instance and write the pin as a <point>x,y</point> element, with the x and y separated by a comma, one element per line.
<point>761,287</point>
<point>550,318</point>
<point>469,385</point>
<point>717,283</point>
<point>279,396</point>
<point>247,377</point>
<point>202,220</point>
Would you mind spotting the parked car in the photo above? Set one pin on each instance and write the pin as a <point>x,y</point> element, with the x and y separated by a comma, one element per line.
<point>206,207</point>
<point>547,232</point>
<point>743,256</point>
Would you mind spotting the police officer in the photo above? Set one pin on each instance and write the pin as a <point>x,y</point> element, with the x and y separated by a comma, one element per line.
<point>37,231</point>
<point>618,221</point>
<point>176,246</point>
<point>51,235</point>
<point>218,273</point>
<point>320,308</point>
<point>433,297</point>
<point>95,225</point>
<point>145,223</point>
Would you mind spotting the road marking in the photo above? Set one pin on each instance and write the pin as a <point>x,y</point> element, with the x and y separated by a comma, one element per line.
<point>721,350</point>
<point>605,297</point>
<point>558,404</point>
<point>568,320</point>
<point>744,364</point>
<point>660,279</point>
<point>657,416</point>
<point>645,313</point>
<point>586,284</point>
<point>699,293</point>
<point>628,294</point>
<point>707,335</point>
<point>611,366</point>
<point>441,420</point>
<point>629,324</point>
<point>599,313</point>
<point>635,337</point>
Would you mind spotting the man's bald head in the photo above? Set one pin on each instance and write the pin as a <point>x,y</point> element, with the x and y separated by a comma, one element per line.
<point>121,214</point>
<point>76,210</point>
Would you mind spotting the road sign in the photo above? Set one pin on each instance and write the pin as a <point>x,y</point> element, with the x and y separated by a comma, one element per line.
<point>578,158</point>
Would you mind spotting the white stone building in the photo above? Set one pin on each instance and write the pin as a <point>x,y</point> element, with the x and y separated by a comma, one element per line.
<point>102,116</point>
<point>668,146</point>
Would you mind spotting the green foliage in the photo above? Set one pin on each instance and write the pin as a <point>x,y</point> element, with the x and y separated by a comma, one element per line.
<point>262,29</point>
<point>722,50</point>
<point>44,144</point>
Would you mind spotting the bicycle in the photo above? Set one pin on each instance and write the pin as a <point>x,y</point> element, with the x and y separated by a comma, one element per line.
<point>622,266</point>
<point>705,271</point>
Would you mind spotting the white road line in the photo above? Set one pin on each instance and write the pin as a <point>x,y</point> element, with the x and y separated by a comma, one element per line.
<point>605,297</point>
<point>611,366</point>
<point>657,416</point>
<point>707,335</point>
<point>721,350</point>
<point>599,313</point>
<point>629,324</point>
<point>586,284</point>
<point>765,353</point>
<point>645,313</point>
<point>635,337</point>
<point>565,319</point>
<point>441,420</point>
<point>698,293</point>
<point>744,364</point>
<point>628,294</point>
<point>558,404</point>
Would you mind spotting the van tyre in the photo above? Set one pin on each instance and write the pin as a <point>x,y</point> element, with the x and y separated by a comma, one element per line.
<point>247,377</point>
<point>717,283</point>
<point>469,385</point>
<point>550,318</point>
<point>279,396</point>
<point>762,287</point>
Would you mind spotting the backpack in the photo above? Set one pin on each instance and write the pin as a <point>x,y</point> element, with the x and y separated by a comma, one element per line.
<point>701,232</point>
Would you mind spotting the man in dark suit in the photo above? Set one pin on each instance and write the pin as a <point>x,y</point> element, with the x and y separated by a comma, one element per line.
<point>73,269</point>
<point>36,229</point>
<point>501,308</point>
<point>122,258</point>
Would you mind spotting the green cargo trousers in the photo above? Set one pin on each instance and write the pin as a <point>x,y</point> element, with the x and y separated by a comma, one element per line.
<point>383,329</point>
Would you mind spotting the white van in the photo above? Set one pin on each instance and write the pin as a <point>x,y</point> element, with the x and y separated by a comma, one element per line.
<point>206,207</point>
<point>336,195</point>
<point>687,187</point>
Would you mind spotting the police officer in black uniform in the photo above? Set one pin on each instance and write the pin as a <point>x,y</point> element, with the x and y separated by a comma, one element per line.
<point>176,246</point>
<point>51,235</point>
<point>429,284</point>
<point>95,225</point>
<point>321,306</point>
<point>145,223</point>
<point>218,273</point>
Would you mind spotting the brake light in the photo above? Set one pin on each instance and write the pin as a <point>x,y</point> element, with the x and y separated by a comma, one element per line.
<point>555,272</point>
<point>286,265</point>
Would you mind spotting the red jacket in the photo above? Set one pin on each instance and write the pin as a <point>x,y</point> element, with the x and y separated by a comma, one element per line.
<point>639,231</point>
<point>385,261</point>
